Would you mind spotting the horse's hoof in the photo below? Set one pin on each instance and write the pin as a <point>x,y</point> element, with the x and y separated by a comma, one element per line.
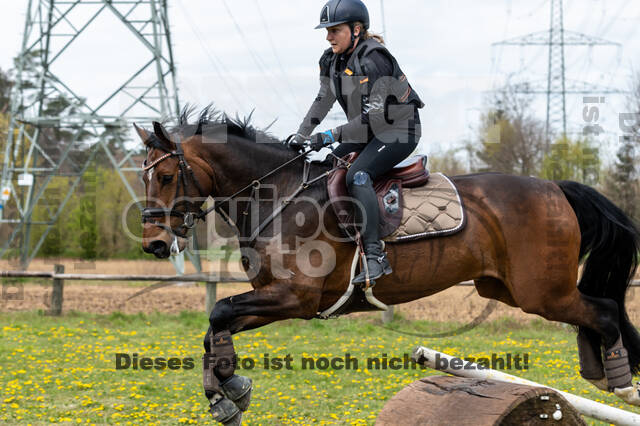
<point>235,420</point>
<point>630,394</point>
<point>238,389</point>
<point>225,412</point>
<point>601,384</point>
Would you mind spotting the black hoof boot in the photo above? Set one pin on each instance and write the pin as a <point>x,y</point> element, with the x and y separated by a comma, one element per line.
<point>225,412</point>
<point>377,263</point>
<point>238,389</point>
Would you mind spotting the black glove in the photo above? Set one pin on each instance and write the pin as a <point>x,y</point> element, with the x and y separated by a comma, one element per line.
<point>320,140</point>
<point>295,141</point>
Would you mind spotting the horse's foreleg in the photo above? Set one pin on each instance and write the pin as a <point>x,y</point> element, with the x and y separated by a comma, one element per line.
<point>228,393</point>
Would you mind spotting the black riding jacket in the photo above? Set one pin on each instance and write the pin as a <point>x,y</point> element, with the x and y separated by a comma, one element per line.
<point>371,88</point>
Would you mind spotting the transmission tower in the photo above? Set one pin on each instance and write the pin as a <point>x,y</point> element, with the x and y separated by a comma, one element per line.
<point>556,86</point>
<point>33,156</point>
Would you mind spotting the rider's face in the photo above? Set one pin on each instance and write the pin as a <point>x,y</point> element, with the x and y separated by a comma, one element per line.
<point>340,37</point>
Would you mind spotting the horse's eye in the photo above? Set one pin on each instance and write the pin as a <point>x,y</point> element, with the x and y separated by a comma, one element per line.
<point>166,179</point>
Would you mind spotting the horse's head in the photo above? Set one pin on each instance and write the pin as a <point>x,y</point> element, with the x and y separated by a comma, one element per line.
<point>176,184</point>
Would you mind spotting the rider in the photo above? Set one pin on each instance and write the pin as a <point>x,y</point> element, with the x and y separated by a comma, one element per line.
<point>382,108</point>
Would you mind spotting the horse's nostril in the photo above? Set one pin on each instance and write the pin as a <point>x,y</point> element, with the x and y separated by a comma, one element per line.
<point>157,247</point>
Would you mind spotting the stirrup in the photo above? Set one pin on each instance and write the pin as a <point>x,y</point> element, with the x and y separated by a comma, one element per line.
<point>365,276</point>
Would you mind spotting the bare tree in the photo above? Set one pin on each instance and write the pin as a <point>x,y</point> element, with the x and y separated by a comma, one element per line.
<point>511,138</point>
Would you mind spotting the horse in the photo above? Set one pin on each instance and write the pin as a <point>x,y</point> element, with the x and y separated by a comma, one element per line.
<point>522,244</point>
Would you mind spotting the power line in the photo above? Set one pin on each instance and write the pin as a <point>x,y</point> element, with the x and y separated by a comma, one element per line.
<point>384,23</point>
<point>604,30</point>
<point>533,11</point>
<point>212,58</point>
<point>556,38</point>
<point>495,63</point>
<point>256,58</point>
<point>277,57</point>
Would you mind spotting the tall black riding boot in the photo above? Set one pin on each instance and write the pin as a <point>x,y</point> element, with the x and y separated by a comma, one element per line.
<point>377,263</point>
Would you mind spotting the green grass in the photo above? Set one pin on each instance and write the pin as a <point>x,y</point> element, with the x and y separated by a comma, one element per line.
<point>56,370</point>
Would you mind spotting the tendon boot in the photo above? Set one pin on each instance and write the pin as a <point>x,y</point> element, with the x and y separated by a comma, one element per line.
<point>377,264</point>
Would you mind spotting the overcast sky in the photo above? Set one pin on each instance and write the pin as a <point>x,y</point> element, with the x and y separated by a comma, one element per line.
<point>444,47</point>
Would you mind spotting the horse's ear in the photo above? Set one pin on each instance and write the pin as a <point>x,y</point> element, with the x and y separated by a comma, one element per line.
<point>158,129</point>
<point>142,133</point>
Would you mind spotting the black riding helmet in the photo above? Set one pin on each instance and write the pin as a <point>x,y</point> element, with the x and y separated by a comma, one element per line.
<point>337,12</point>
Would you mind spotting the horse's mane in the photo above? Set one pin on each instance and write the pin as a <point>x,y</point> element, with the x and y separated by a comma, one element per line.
<point>213,120</point>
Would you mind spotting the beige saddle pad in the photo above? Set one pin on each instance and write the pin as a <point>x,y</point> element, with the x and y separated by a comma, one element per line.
<point>432,210</point>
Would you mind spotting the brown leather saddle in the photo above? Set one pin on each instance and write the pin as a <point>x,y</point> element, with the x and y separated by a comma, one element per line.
<point>410,173</point>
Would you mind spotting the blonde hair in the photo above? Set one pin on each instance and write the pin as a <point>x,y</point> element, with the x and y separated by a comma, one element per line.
<point>366,34</point>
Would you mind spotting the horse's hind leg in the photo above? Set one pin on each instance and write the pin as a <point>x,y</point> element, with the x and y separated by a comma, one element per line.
<point>617,375</point>
<point>597,319</point>
<point>589,341</point>
<point>605,330</point>
<point>590,355</point>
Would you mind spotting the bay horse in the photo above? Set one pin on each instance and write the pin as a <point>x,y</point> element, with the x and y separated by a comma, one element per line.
<point>523,241</point>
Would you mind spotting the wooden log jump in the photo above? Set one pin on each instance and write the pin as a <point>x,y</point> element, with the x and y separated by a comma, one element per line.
<point>448,400</point>
<point>586,407</point>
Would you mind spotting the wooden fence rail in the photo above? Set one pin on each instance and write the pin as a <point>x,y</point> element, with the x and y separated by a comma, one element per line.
<point>58,276</point>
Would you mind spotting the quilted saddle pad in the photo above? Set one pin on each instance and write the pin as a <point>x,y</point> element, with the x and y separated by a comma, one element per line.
<point>432,210</point>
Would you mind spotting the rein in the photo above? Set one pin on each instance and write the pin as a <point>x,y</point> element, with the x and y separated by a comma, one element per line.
<point>189,217</point>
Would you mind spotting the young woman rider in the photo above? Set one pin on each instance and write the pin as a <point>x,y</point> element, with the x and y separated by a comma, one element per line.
<point>382,111</point>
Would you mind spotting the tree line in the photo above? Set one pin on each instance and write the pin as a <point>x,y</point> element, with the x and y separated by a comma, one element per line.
<point>511,139</point>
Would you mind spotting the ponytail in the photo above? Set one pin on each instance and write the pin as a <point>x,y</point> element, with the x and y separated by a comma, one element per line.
<point>366,34</point>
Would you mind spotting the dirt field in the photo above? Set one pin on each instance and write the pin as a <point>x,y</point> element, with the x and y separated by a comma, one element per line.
<point>459,304</point>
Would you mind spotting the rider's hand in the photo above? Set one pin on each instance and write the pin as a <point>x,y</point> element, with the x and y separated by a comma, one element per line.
<point>295,141</point>
<point>320,140</point>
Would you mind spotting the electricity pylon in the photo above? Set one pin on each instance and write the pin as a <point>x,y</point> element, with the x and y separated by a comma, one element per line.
<point>33,153</point>
<point>556,85</point>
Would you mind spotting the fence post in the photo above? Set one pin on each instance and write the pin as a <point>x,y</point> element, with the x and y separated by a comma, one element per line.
<point>58,290</point>
<point>387,316</point>
<point>210,298</point>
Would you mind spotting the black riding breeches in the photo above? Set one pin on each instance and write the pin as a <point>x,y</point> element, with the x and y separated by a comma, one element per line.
<point>376,158</point>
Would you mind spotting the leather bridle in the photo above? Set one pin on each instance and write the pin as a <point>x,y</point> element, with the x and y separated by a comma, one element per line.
<point>194,213</point>
<point>185,172</point>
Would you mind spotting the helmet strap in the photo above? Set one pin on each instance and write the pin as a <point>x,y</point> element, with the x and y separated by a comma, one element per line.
<point>352,26</point>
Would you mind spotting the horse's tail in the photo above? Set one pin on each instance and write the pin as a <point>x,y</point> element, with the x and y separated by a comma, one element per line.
<point>611,241</point>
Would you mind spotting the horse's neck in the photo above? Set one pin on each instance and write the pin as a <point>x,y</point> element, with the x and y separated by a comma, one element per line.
<point>237,165</point>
